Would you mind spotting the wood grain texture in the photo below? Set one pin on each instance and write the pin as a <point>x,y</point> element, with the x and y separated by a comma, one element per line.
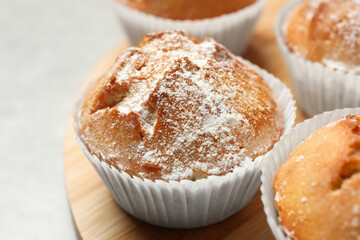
<point>96,214</point>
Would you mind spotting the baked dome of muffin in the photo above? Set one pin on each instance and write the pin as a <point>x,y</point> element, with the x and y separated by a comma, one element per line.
<point>187,9</point>
<point>327,31</point>
<point>317,190</point>
<point>176,108</point>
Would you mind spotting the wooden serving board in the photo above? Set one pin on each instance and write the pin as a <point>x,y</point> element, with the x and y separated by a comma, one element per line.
<point>95,212</point>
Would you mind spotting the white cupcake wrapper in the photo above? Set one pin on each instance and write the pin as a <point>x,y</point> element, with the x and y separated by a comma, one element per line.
<point>317,88</point>
<point>280,154</point>
<point>188,204</point>
<point>232,30</point>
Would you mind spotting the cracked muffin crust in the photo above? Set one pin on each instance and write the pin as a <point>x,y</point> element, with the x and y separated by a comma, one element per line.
<point>317,190</point>
<point>328,32</point>
<point>175,108</point>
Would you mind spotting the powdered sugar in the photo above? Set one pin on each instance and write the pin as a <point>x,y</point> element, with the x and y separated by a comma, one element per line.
<point>344,25</point>
<point>197,113</point>
<point>338,65</point>
<point>277,197</point>
<point>299,158</point>
<point>356,209</point>
<point>355,222</point>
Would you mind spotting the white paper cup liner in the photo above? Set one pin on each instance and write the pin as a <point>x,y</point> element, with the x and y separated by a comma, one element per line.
<point>317,88</point>
<point>280,154</point>
<point>233,30</point>
<point>188,204</point>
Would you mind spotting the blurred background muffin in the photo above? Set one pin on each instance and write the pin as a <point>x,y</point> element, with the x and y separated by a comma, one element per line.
<point>187,9</point>
<point>327,31</point>
<point>320,42</point>
<point>229,22</point>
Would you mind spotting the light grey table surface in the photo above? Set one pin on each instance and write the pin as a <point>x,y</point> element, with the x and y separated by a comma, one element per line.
<point>47,48</point>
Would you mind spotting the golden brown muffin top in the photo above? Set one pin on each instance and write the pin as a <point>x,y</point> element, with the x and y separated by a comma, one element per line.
<point>176,108</point>
<point>317,190</point>
<point>327,31</point>
<point>187,9</point>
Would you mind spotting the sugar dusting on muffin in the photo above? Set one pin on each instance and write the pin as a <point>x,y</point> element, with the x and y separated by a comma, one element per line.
<point>175,108</point>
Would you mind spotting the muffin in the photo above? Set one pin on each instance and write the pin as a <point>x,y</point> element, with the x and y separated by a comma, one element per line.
<point>187,9</point>
<point>328,32</point>
<point>176,109</point>
<point>310,188</point>
<point>320,41</point>
<point>230,22</point>
<point>317,189</point>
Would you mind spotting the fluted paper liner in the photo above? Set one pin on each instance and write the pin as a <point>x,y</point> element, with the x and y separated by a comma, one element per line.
<point>185,203</point>
<point>280,154</point>
<point>317,88</point>
<point>233,30</point>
